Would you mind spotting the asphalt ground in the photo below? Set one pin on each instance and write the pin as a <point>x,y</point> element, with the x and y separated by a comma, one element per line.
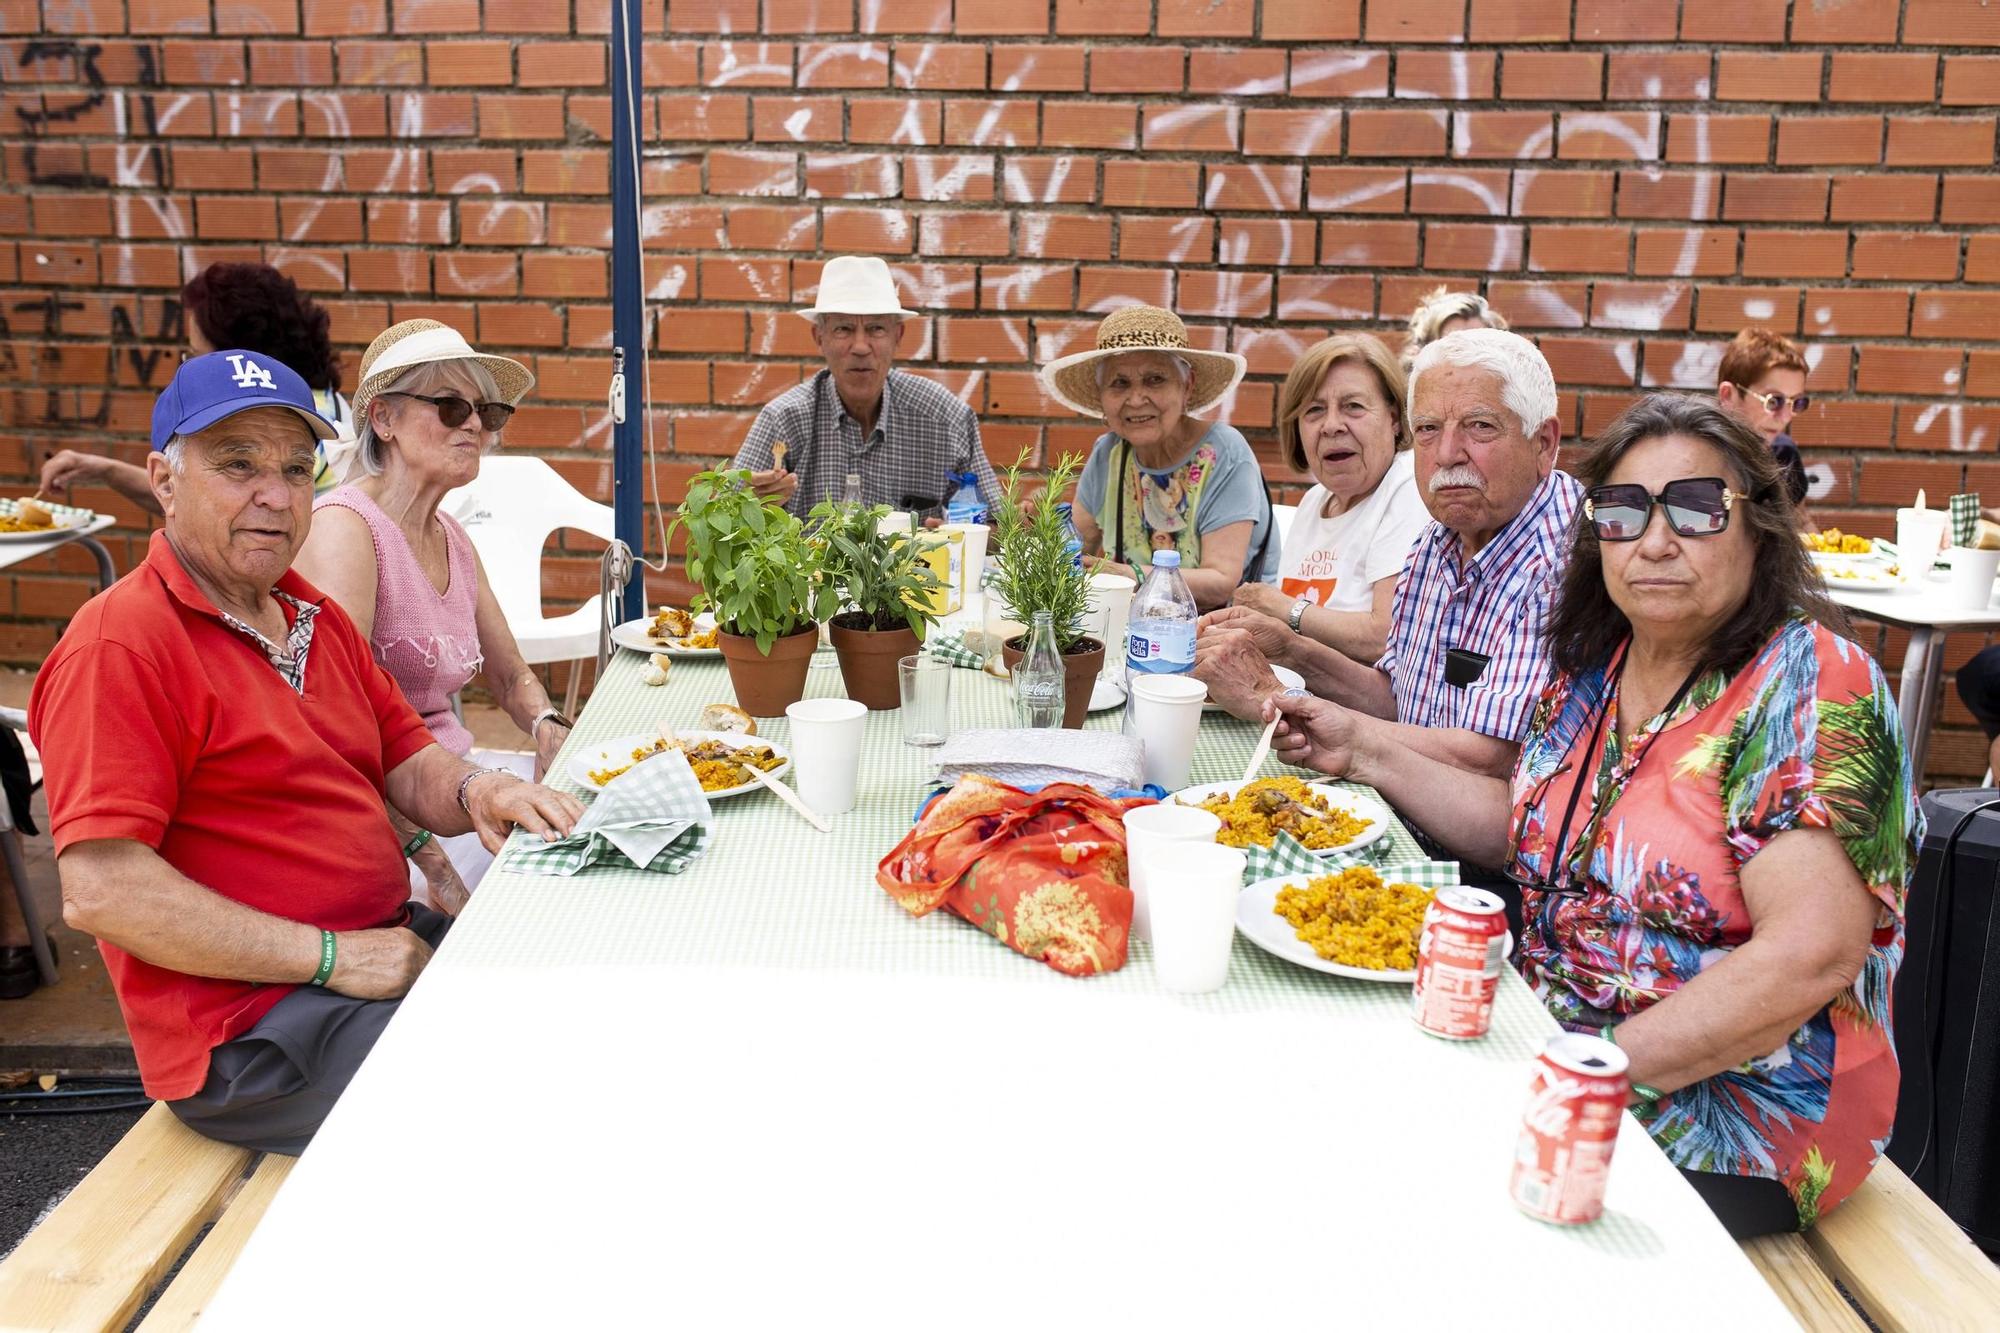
<point>42,1157</point>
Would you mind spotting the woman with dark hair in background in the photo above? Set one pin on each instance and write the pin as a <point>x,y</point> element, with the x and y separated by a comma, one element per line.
<point>231,307</point>
<point>1712,820</point>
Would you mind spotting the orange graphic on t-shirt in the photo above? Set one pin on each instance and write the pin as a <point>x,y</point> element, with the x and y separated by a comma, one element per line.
<point>1317,591</point>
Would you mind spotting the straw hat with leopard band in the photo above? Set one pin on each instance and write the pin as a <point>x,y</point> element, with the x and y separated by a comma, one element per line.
<point>1072,380</point>
<point>416,342</point>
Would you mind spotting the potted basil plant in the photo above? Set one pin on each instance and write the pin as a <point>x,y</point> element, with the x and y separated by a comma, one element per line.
<point>888,591</point>
<point>1035,571</point>
<point>760,575</point>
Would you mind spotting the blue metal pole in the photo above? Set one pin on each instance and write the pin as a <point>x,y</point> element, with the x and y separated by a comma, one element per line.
<point>628,289</point>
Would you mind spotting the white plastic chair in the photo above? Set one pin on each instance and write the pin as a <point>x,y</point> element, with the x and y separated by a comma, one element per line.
<point>1281,523</point>
<point>509,512</point>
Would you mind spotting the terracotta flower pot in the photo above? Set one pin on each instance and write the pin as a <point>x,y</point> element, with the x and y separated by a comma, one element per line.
<point>868,660</point>
<point>1081,665</point>
<point>767,683</point>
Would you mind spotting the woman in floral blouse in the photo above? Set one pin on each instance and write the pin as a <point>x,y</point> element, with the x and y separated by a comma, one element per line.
<point>1712,821</point>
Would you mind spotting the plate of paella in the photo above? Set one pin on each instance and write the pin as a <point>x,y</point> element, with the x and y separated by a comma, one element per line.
<point>1324,819</point>
<point>29,520</point>
<point>670,630</point>
<point>719,759</point>
<point>1361,923</point>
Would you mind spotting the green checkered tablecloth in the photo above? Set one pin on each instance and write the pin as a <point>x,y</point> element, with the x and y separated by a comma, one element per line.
<point>652,817</point>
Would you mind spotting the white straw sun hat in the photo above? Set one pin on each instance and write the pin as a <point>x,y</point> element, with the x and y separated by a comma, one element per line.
<point>1072,380</point>
<point>856,285</point>
<point>415,342</point>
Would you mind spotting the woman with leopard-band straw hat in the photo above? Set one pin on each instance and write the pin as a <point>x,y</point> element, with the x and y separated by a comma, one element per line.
<point>1160,478</point>
<point>428,408</point>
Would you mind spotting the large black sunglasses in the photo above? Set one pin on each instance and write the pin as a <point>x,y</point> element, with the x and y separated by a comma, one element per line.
<point>453,410</point>
<point>1695,507</point>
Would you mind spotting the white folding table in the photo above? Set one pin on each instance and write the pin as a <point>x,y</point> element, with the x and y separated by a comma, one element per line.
<point>1926,610</point>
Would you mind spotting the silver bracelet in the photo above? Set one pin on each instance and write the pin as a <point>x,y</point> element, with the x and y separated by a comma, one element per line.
<point>1298,615</point>
<point>466,782</point>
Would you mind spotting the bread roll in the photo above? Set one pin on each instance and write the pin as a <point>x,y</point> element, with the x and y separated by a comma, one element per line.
<point>727,717</point>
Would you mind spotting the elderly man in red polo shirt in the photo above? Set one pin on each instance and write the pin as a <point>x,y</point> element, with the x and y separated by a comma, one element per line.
<point>218,744</point>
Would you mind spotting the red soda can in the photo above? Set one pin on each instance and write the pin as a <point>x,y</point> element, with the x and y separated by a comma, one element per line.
<point>1575,1105</point>
<point>1459,952</point>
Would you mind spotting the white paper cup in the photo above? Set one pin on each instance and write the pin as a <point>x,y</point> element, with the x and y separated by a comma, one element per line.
<point>1194,891</point>
<point>974,553</point>
<point>1919,535</point>
<point>1972,577</point>
<point>1111,596</point>
<point>1151,826</point>
<point>826,752</point>
<point>1166,715</point>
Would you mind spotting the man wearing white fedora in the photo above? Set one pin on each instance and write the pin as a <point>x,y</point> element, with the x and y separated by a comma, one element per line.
<point>901,434</point>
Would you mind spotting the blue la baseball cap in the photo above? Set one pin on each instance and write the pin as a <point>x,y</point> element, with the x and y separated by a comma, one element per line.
<point>208,388</point>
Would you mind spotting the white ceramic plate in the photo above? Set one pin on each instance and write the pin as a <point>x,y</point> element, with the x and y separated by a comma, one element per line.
<point>1263,927</point>
<point>66,518</point>
<point>632,634</point>
<point>1287,677</point>
<point>1106,694</point>
<point>1828,559</point>
<point>1361,807</point>
<point>1861,581</point>
<point>618,750</point>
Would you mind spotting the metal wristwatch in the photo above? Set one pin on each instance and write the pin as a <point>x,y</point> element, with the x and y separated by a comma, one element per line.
<point>545,715</point>
<point>1298,615</point>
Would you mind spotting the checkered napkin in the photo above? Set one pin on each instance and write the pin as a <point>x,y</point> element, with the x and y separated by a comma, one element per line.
<point>1287,856</point>
<point>1965,519</point>
<point>654,816</point>
<point>949,646</point>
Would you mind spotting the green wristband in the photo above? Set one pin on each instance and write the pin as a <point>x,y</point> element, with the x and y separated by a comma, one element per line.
<point>325,958</point>
<point>416,844</point>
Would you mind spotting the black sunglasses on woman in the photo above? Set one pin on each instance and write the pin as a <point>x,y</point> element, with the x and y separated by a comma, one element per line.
<point>1695,507</point>
<point>453,410</point>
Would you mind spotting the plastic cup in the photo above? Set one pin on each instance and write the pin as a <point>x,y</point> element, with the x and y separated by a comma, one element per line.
<point>926,686</point>
<point>826,751</point>
<point>1919,535</point>
<point>1153,826</point>
<point>1111,596</point>
<point>1194,891</point>
<point>974,553</point>
<point>1166,715</point>
<point>1972,574</point>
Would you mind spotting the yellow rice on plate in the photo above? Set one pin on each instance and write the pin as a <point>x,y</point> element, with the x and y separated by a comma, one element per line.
<point>717,767</point>
<point>1257,812</point>
<point>1354,919</point>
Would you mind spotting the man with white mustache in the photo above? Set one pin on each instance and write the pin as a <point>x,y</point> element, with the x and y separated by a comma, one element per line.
<point>1465,660</point>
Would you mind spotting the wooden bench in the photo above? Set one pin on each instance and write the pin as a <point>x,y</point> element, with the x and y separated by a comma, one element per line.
<point>1888,1250</point>
<point>94,1260</point>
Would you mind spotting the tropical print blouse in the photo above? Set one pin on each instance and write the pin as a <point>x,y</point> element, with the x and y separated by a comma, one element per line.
<point>1805,736</point>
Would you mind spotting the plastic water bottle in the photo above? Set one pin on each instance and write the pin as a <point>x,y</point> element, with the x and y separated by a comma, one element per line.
<point>1159,636</point>
<point>966,505</point>
<point>1038,678</point>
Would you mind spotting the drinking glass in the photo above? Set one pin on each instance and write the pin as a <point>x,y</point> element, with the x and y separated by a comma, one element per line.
<point>926,684</point>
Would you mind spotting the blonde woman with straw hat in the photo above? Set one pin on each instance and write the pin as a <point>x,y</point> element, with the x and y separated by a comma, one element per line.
<point>428,407</point>
<point>1161,478</point>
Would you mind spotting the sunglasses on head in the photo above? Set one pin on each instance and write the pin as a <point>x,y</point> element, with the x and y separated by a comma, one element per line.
<point>1774,403</point>
<point>453,410</point>
<point>1695,507</point>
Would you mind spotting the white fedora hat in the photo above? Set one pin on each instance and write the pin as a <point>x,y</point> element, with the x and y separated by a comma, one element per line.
<point>417,341</point>
<point>856,285</point>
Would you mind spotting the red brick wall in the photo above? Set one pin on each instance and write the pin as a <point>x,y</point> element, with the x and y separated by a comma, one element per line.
<point>1628,180</point>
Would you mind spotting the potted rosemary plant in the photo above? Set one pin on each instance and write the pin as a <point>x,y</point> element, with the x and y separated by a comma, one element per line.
<point>1034,570</point>
<point>887,589</point>
<point>760,575</point>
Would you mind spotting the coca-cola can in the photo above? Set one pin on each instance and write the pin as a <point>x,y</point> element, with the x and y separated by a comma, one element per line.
<point>1460,949</point>
<point>1576,1102</point>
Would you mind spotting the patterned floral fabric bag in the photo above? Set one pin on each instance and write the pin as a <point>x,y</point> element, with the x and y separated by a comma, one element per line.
<point>1043,872</point>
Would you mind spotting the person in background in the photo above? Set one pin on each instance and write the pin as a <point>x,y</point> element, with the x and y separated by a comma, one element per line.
<point>218,745</point>
<point>1761,381</point>
<point>1444,311</point>
<point>901,434</point>
<point>1341,418</point>
<point>1712,820</point>
<point>255,308</point>
<point>406,573</point>
<point>1161,478</point>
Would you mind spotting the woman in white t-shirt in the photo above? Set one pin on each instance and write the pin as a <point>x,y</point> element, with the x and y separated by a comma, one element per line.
<point>1341,418</point>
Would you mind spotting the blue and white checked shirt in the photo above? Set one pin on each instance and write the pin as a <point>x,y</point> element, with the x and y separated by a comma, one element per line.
<point>1497,605</point>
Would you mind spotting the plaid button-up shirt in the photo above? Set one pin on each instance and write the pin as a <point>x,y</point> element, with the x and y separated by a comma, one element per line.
<point>921,436</point>
<point>1497,604</point>
<point>289,660</point>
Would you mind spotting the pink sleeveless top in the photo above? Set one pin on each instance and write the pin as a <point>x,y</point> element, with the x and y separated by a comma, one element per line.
<point>429,641</point>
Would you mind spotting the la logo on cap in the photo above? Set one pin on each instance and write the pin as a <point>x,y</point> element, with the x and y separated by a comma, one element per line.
<point>250,375</point>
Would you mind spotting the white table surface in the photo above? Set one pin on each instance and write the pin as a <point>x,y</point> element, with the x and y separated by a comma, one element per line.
<point>760,1095</point>
<point>14,552</point>
<point>1926,603</point>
